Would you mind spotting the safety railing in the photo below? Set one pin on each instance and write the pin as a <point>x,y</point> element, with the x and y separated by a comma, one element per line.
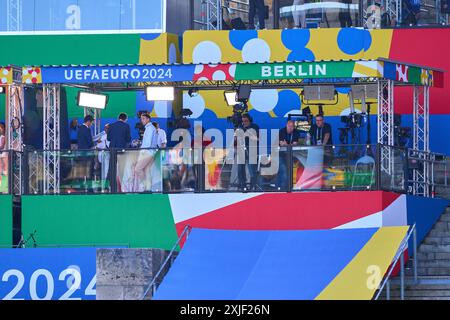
<point>399,259</point>
<point>166,264</point>
<point>6,172</point>
<point>246,169</point>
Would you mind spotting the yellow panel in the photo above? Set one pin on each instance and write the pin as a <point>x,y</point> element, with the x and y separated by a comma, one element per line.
<point>323,43</point>
<point>278,52</point>
<point>381,44</point>
<point>360,278</point>
<point>6,75</point>
<point>157,50</point>
<point>220,38</point>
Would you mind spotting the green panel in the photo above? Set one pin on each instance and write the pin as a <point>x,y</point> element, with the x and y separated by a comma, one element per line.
<point>271,71</point>
<point>6,221</point>
<point>138,220</point>
<point>69,49</point>
<point>118,102</point>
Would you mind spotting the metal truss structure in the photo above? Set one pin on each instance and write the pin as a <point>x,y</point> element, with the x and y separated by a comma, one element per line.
<point>421,143</point>
<point>14,118</point>
<point>13,15</point>
<point>51,161</point>
<point>213,14</point>
<point>385,121</point>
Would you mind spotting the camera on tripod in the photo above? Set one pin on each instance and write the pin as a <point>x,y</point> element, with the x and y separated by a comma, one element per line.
<point>353,120</point>
<point>181,122</point>
<point>238,110</point>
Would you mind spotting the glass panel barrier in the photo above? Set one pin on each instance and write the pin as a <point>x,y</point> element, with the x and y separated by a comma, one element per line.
<point>247,169</point>
<point>179,170</point>
<point>139,170</point>
<point>346,167</point>
<point>5,173</point>
<point>80,171</point>
<point>393,173</point>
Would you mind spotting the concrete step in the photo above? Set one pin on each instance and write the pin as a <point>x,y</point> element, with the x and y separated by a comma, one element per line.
<point>417,298</point>
<point>421,293</point>
<point>426,248</point>
<point>437,240</point>
<point>442,225</point>
<point>421,256</point>
<point>439,233</point>
<point>434,264</point>
<point>430,271</point>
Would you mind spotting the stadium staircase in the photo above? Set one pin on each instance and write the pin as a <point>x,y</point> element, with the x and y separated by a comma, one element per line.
<point>433,270</point>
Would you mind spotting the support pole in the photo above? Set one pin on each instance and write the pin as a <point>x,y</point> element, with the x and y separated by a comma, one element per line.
<point>415,253</point>
<point>51,163</point>
<point>402,277</point>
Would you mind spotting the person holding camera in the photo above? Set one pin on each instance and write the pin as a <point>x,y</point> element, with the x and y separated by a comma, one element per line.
<point>247,134</point>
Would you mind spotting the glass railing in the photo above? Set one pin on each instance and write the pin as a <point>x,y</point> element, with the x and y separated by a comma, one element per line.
<point>67,171</point>
<point>342,167</point>
<point>247,169</point>
<point>5,172</point>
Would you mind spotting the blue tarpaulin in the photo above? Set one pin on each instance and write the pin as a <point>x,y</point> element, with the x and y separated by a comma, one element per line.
<point>229,264</point>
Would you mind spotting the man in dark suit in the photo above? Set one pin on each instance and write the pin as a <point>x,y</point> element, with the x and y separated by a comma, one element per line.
<point>84,134</point>
<point>119,133</point>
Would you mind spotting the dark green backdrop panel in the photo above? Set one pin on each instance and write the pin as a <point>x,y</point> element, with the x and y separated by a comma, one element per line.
<point>28,50</point>
<point>140,221</point>
<point>6,221</point>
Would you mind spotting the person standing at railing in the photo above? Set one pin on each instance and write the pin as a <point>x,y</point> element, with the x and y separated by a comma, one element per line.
<point>320,135</point>
<point>119,135</point>
<point>146,156</point>
<point>161,134</point>
<point>256,6</point>
<point>248,133</point>
<point>73,131</point>
<point>288,136</point>
<point>299,14</point>
<point>84,134</point>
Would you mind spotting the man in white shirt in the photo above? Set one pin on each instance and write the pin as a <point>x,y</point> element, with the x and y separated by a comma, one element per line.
<point>162,137</point>
<point>146,156</point>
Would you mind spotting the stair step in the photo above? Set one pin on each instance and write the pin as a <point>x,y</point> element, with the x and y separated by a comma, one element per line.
<point>421,293</point>
<point>438,233</point>
<point>430,271</point>
<point>437,240</point>
<point>443,263</point>
<point>418,298</point>
<point>445,216</point>
<point>427,248</point>
<point>442,225</point>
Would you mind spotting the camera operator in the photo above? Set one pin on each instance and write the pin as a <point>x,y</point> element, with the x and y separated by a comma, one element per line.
<point>251,132</point>
<point>319,133</point>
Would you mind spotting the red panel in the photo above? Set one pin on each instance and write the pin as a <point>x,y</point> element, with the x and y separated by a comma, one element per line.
<point>430,47</point>
<point>294,211</point>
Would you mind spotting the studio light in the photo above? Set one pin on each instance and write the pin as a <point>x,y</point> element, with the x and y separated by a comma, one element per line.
<point>92,100</point>
<point>230,97</point>
<point>160,93</point>
<point>243,93</point>
<point>319,92</point>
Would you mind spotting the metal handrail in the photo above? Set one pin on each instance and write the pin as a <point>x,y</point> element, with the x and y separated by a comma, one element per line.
<point>186,231</point>
<point>395,260</point>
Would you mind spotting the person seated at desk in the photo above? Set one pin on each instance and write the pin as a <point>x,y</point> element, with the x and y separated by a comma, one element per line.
<point>288,136</point>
